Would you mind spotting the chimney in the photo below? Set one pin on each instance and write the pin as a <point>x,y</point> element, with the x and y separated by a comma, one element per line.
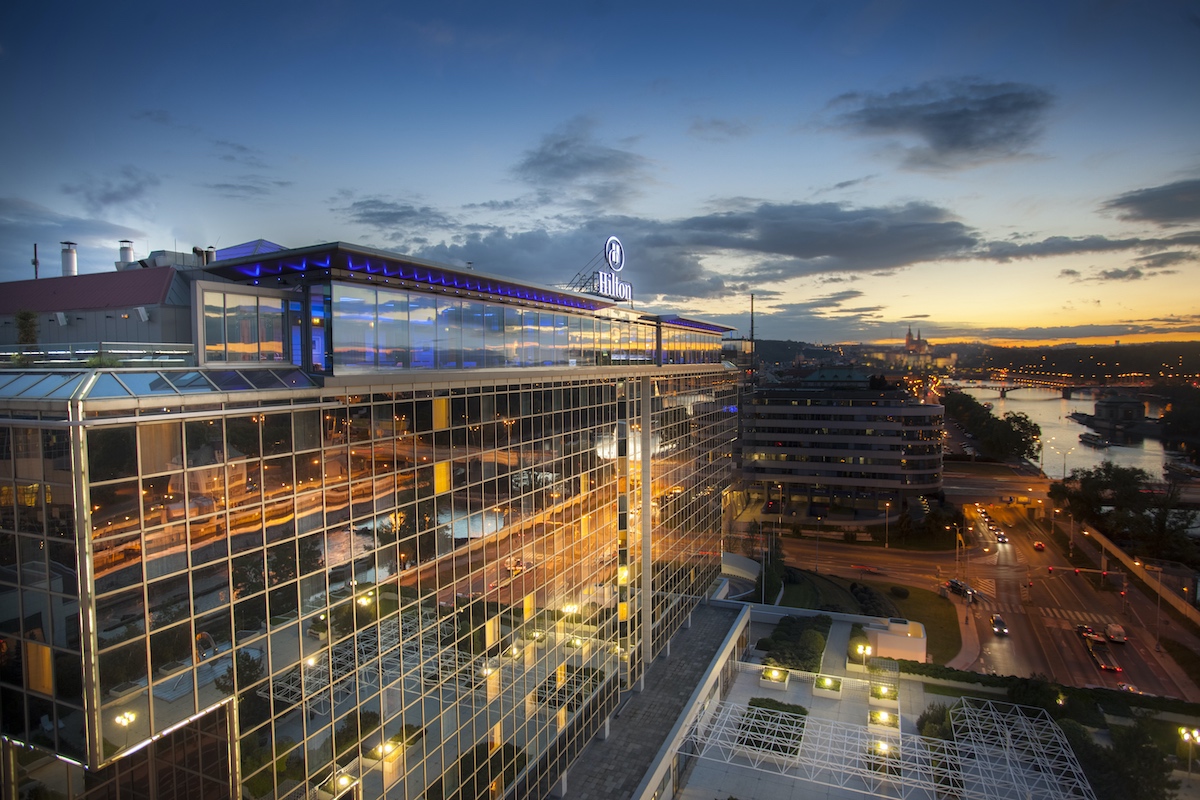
<point>126,251</point>
<point>210,255</point>
<point>69,260</point>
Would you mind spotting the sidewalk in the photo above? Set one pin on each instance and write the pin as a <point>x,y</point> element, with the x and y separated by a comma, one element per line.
<point>969,653</point>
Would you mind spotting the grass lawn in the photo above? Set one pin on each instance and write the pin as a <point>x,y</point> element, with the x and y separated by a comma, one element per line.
<point>817,591</point>
<point>954,691</point>
<point>938,614</point>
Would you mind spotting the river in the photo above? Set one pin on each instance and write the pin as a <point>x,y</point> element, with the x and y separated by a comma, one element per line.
<point>1063,451</point>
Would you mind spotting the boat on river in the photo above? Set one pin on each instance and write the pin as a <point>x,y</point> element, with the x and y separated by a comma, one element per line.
<point>1092,439</point>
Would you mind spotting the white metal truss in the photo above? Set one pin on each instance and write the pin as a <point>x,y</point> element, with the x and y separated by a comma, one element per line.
<point>1006,750</point>
<point>1001,751</point>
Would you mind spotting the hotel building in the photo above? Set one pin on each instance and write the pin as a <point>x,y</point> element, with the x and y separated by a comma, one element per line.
<point>338,523</point>
<point>834,441</point>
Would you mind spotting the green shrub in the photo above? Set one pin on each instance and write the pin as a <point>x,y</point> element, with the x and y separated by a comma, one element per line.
<point>899,591</point>
<point>766,644</point>
<point>776,705</point>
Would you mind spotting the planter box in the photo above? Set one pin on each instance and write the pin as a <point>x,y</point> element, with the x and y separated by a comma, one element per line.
<point>827,687</point>
<point>882,721</point>
<point>883,702</point>
<point>774,678</point>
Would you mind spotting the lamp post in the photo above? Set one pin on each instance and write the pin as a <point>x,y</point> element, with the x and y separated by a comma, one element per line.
<point>817,549</point>
<point>1189,735</point>
<point>1064,454</point>
<point>887,512</point>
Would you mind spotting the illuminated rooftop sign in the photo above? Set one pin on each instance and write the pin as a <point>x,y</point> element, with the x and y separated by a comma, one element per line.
<point>607,284</point>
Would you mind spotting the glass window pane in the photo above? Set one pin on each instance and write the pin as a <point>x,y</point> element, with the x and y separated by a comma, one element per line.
<point>112,453</point>
<point>270,329</point>
<point>449,337</point>
<point>241,327</point>
<point>214,326</point>
<point>353,327</point>
<point>162,447</point>
<point>472,334</point>
<point>422,330</point>
<point>392,332</point>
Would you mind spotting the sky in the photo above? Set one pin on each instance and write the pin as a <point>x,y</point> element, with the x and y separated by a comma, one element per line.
<point>1015,173</point>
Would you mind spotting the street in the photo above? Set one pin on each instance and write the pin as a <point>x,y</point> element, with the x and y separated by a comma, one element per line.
<point>1041,608</point>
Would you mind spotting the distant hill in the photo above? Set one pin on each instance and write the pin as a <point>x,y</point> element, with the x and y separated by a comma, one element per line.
<point>773,351</point>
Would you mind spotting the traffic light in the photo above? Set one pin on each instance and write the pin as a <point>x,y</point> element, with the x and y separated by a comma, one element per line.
<point>1050,570</point>
<point>1122,593</point>
<point>1077,570</point>
<point>1031,581</point>
<point>1104,574</point>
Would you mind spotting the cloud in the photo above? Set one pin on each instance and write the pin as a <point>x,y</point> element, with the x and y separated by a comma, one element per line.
<point>1073,274</point>
<point>1004,251</point>
<point>130,186</point>
<point>158,116</point>
<point>960,123</point>
<point>1167,258</point>
<point>817,238</point>
<point>399,221</point>
<point>572,166</point>
<point>22,223</point>
<point>719,130</point>
<point>1170,204</point>
<point>248,186</point>
<point>237,153</point>
<point>1128,274</point>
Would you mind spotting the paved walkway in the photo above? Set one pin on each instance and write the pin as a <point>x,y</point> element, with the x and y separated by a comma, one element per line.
<point>611,769</point>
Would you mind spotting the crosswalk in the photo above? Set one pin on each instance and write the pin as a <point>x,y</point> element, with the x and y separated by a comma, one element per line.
<point>1073,617</point>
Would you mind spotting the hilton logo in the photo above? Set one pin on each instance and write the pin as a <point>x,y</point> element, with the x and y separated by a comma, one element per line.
<point>607,283</point>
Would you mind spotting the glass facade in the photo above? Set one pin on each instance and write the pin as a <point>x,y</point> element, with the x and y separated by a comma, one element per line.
<point>436,592</point>
<point>374,330</point>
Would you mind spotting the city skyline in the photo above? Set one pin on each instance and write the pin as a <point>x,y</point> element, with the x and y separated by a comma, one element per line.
<point>1019,174</point>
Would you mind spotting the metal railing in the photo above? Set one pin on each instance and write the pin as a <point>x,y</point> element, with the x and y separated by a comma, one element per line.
<point>97,354</point>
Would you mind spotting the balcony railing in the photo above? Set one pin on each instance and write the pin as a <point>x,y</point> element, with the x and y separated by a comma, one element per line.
<point>98,354</point>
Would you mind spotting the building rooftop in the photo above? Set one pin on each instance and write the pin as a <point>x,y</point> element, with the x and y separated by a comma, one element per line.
<point>94,290</point>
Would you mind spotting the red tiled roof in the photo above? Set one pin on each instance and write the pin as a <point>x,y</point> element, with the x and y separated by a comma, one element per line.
<point>134,287</point>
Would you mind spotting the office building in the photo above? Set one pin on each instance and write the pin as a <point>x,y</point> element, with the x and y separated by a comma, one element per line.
<point>838,442</point>
<point>381,527</point>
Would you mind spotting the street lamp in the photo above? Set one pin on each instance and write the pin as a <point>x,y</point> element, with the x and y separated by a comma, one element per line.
<point>887,511</point>
<point>864,650</point>
<point>1190,735</point>
<point>1064,454</point>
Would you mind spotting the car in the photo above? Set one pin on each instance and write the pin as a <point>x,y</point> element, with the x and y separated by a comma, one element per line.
<point>999,626</point>
<point>1039,546</point>
<point>959,587</point>
<point>1086,630</point>
<point>1001,537</point>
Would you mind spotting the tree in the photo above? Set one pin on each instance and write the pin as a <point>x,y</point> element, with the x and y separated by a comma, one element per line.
<point>27,327</point>
<point>1027,433</point>
<point>1140,765</point>
<point>1118,501</point>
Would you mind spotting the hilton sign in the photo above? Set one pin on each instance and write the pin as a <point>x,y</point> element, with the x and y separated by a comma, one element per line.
<point>607,283</point>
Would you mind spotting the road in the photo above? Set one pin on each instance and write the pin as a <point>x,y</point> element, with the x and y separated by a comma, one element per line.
<point>1041,608</point>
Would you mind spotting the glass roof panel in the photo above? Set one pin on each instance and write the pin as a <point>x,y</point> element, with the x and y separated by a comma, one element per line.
<point>140,383</point>
<point>296,379</point>
<point>107,386</point>
<point>68,388</point>
<point>263,379</point>
<point>228,380</point>
<point>47,385</point>
<point>6,379</point>
<point>23,382</point>
<point>190,382</point>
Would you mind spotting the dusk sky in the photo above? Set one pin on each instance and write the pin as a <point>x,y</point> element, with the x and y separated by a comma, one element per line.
<point>1011,172</point>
